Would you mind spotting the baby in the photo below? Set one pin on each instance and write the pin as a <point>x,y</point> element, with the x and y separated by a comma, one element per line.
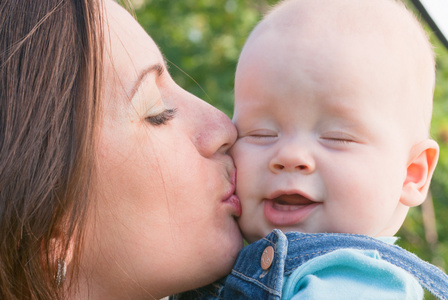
<point>333,104</point>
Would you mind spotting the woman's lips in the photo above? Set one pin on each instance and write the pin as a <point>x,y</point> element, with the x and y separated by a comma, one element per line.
<point>236,204</point>
<point>288,209</point>
<point>233,199</point>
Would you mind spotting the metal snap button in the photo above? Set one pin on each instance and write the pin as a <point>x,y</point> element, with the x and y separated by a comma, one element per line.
<point>267,257</point>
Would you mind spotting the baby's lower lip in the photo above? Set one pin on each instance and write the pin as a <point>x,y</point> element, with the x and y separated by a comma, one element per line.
<point>287,214</point>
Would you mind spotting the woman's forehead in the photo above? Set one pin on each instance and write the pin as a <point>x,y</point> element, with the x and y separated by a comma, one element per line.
<point>128,50</point>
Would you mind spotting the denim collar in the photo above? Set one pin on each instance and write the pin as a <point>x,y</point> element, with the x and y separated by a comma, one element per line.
<point>293,249</point>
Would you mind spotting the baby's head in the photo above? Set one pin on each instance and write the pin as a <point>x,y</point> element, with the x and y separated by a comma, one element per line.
<point>333,103</point>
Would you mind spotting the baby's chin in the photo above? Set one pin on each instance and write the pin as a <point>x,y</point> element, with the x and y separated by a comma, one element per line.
<point>252,234</point>
<point>255,235</point>
<point>251,237</point>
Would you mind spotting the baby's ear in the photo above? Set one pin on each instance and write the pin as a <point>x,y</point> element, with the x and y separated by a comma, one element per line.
<point>423,161</point>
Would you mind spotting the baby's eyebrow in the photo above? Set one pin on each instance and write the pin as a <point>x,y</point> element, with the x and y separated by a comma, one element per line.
<point>158,68</point>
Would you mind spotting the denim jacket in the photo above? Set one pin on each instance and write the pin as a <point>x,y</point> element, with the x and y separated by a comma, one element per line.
<point>248,279</point>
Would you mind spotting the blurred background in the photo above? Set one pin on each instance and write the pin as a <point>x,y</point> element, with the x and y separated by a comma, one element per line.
<point>201,41</point>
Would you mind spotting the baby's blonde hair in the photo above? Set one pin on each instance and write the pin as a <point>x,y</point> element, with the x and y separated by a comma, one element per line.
<point>389,24</point>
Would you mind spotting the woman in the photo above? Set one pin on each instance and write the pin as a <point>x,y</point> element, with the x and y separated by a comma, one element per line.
<point>108,170</point>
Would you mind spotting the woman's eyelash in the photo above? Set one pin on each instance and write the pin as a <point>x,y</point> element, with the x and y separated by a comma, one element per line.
<point>163,117</point>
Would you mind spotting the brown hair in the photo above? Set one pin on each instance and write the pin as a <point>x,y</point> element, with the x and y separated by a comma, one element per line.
<point>50,75</point>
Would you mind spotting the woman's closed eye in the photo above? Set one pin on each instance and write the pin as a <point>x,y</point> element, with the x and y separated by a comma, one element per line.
<point>162,118</point>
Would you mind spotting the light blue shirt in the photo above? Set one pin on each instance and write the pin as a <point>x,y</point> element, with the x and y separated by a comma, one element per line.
<point>344,273</point>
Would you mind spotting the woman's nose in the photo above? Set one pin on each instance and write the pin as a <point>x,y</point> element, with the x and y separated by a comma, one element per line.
<point>292,159</point>
<point>213,132</point>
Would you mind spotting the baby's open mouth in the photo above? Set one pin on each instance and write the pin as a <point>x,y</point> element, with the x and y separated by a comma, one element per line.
<point>288,209</point>
<point>290,202</point>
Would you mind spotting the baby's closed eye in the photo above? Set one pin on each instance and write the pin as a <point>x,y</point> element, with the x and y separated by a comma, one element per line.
<point>259,136</point>
<point>337,137</point>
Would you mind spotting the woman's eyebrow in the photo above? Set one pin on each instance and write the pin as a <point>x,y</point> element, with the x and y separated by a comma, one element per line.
<point>158,68</point>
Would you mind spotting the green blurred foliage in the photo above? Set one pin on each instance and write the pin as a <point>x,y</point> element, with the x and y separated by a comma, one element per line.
<point>412,232</point>
<point>201,41</point>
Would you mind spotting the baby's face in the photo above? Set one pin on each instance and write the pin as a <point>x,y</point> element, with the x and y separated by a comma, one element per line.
<point>321,144</point>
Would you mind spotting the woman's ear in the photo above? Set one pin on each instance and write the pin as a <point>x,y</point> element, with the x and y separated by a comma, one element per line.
<point>56,256</point>
<point>421,165</point>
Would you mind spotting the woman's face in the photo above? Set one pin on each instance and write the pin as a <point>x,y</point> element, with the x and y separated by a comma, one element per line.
<point>164,218</point>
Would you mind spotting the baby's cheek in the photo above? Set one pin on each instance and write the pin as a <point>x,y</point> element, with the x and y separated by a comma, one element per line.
<point>239,154</point>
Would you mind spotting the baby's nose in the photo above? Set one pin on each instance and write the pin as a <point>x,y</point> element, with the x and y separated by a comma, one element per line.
<point>292,161</point>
